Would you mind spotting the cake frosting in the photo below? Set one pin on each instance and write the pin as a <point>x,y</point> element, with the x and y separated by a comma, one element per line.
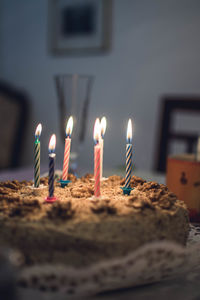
<point>78,229</point>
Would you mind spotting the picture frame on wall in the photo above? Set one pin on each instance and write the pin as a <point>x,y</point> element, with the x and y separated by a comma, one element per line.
<point>79,26</point>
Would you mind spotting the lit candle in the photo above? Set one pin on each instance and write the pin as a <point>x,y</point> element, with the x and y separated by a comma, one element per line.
<point>127,188</point>
<point>101,141</point>
<point>37,156</point>
<point>198,149</point>
<point>128,154</point>
<point>69,128</point>
<point>97,158</point>
<point>52,155</point>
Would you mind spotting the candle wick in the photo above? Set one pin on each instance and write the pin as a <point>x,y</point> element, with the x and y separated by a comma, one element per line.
<point>51,151</point>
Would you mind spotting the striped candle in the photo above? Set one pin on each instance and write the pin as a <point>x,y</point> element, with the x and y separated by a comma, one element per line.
<point>37,156</point>
<point>51,174</point>
<point>97,159</point>
<point>66,158</point>
<point>67,148</point>
<point>128,155</point>
<point>128,165</point>
<point>52,155</point>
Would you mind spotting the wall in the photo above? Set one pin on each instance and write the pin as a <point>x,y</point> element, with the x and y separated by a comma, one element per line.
<point>155,50</point>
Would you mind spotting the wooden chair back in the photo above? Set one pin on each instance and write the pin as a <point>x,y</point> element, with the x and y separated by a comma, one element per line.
<point>13,119</point>
<point>170,105</point>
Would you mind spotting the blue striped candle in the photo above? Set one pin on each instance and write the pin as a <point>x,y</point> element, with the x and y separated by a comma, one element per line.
<point>129,149</point>
<point>52,155</point>
<point>37,156</point>
<point>128,165</point>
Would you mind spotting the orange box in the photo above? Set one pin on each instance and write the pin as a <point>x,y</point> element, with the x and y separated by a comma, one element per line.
<point>183,179</point>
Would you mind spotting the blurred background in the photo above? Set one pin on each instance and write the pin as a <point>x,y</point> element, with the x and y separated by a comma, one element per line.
<point>149,49</point>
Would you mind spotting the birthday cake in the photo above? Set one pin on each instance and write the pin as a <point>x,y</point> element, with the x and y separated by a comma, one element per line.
<point>79,229</point>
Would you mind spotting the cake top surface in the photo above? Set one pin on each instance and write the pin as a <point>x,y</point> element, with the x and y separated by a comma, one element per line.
<point>76,202</point>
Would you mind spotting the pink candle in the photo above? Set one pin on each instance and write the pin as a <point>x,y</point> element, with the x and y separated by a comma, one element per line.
<point>97,155</point>
<point>66,158</point>
<point>101,141</point>
<point>97,159</point>
<point>67,148</point>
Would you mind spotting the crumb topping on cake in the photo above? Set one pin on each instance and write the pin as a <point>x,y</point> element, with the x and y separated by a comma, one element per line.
<point>20,199</point>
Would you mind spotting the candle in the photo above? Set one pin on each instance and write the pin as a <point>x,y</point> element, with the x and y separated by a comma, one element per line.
<point>101,141</point>
<point>128,155</point>
<point>127,188</point>
<point>52,155</point>
<point>97,158</point>
<point>37,156</point>
<point>198,149</point>
<point>69,128</point>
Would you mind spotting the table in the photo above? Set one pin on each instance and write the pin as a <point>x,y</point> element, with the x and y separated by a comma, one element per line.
<point>173,290</point>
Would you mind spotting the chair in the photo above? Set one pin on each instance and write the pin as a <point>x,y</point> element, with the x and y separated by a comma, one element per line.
<point>169,106</point>
<point>13,119</point>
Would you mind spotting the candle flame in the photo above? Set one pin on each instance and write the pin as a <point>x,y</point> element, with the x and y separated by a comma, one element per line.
<point>52,143</point>
<point>103,126</point>
<point>69,127</point>
<point>38,131</point>
<point>129,131</point>
<point>97,131</point>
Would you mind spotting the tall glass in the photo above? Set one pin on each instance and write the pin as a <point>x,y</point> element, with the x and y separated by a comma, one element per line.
<point>74,95</point>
